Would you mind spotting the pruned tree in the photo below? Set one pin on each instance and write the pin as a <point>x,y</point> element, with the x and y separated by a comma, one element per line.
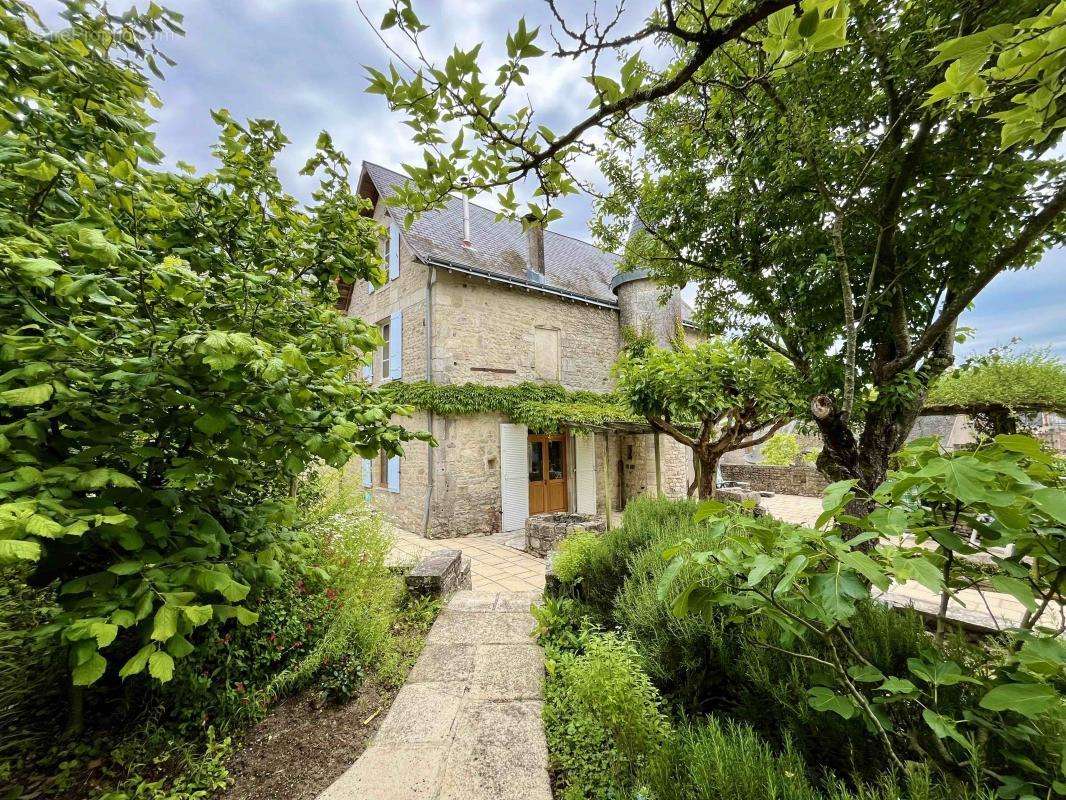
<point>713,397</point>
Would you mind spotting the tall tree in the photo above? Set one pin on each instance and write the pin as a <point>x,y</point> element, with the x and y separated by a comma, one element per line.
<point>171,358</point>
<point>833,177</point>
<point>834,214</point>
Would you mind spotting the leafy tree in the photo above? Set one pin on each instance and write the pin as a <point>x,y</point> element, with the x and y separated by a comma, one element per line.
<point>805,163</point>
<point>832,214</point>
<point>984,715</point>
<point>713,397</point>
<point>997,388</point>
<point>170,357</point>
<point>781,450</point>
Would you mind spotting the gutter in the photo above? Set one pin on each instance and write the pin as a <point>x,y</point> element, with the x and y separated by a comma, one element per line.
<point>428,320</point>
<point>520,283</point>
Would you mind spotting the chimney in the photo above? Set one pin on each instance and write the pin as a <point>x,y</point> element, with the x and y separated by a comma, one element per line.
<point>535,235</point>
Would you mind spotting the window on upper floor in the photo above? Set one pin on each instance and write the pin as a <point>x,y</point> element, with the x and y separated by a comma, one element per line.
<point>546,359</point>
<point>386,355</point>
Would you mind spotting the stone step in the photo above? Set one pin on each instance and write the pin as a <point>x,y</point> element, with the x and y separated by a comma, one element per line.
<point>467,723</point>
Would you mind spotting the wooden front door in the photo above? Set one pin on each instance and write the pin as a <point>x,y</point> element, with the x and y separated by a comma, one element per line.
<point>547,474</point>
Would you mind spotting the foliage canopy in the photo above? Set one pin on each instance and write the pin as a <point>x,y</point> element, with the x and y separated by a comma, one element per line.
<point>713,397</point>
<point>170,356</point>
<point>1033,382</point>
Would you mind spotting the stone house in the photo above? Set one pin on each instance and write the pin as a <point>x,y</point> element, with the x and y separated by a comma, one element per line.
<point>471,299</point>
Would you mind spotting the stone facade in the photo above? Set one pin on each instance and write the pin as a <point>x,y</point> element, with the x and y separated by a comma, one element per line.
<point>483,331</point>
<point>796,479</point>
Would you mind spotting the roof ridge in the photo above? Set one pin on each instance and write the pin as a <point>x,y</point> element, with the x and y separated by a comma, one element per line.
<point>491,211</point>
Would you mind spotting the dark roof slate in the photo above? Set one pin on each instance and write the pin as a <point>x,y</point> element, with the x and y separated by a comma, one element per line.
<point>501,247</point>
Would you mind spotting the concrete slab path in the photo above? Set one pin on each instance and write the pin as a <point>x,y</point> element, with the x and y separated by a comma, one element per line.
<point>467,724</point>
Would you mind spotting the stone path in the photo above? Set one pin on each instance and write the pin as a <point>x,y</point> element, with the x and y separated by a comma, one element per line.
<point>467,724</point>
<point>495,566</point>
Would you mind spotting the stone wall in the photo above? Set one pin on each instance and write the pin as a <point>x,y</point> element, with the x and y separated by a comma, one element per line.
<point>637,455</point>
<point>484,332</point>
<point>801,480</point>
<point>406,294</point>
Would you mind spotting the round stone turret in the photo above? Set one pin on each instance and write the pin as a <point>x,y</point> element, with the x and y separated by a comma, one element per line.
<point>639,309</point>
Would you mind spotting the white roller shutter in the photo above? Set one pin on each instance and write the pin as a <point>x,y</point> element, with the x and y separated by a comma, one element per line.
<point>585,473</point>
<point>514,475</point>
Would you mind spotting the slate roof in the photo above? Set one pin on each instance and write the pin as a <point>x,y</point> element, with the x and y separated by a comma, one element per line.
<point>500,248</point>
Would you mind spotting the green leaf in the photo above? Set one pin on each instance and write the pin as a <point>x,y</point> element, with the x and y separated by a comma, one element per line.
<point>866,673</point>
<point>808,24</point>
<point>197,615</point>
<point>214,420</point>
<point>708,508</point>
<point>89,671</point>
<point>126,567</point>
<point>943,727</point>
<point>1018,589</point>
<point>165,624</point>
<point>137,662</point>
<point>898,686</point>
<point>1028,699</point>
<point>179,647</point>
<point>161,666</point>
<point>822,699</point>
<point>104,633</point>
<point>245,617</point>
<point>1052,502</point>
<point>12,550</point>
<point>27,395</point>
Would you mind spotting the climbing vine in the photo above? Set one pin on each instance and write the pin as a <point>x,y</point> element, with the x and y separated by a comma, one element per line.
<point>542,407</point>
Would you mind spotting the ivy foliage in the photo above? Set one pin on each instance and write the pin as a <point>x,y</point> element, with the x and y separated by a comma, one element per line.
<point>169,355</point>
<point>1030,382</point>
<point>542,407</point>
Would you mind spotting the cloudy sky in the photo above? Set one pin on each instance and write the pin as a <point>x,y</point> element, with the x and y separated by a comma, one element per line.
<point>301,62</point>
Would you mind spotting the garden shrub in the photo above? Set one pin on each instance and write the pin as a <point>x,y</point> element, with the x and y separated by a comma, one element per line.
<point>596,570</point>
<point>172,356</point>
<point>702,664</point>
<point>602,719</point>
<point>723,760</point>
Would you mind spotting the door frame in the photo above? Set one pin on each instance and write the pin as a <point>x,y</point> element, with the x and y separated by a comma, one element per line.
<point>560,485</point>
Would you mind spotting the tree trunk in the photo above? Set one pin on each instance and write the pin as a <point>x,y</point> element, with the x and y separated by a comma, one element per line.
<point>708,474</point>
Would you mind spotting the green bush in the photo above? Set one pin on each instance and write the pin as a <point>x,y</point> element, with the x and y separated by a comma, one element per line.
<point>780,450</point>
<point>602,719</point>
<point>172,355</point>
<point>718,760</point>
<point>596,570</point>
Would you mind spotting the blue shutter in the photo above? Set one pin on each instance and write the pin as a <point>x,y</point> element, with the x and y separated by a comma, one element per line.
<point>368,472</point>
<point>394,474</point>
<point>396,346</point>
<point>394,251</point>
<point>368,372</point>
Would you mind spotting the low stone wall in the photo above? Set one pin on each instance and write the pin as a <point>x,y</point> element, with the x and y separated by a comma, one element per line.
<point>802,480</point>
<point>544,531</point>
